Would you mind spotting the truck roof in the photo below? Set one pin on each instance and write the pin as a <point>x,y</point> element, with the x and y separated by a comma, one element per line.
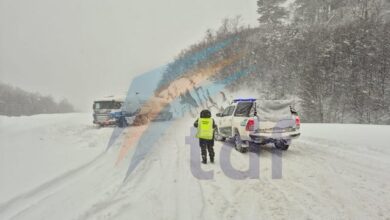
<point>244,100</point>
<point>280,101</point>
<point>118,98</point>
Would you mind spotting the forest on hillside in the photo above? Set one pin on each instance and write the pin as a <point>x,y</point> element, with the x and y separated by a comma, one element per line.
<point>17,102</point>
<point>332,56</point>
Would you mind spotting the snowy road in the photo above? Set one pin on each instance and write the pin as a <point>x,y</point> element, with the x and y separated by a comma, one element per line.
<point>56,167</point>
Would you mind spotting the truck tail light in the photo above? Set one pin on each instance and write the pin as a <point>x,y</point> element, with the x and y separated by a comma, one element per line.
<point>297,121</point>
<point>250,125</point>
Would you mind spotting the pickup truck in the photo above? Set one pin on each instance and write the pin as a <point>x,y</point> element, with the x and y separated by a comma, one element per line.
<point>252,121</point>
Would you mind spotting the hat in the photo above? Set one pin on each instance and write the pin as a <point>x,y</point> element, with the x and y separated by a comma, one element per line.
<point>205,114</point>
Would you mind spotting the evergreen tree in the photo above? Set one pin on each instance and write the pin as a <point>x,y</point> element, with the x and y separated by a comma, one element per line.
<point>271,11</point>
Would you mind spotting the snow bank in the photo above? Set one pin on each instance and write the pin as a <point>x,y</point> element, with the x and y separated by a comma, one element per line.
<point>36,149</point>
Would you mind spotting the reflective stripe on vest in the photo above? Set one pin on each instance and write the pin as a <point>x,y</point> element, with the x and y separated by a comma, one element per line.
<point>205,128</point>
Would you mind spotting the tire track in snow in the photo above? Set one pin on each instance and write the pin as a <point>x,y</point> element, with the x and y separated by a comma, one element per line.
<point>164,180</point>
<point>351,180</point>
<point>23,202</point>
<point>128,193</point>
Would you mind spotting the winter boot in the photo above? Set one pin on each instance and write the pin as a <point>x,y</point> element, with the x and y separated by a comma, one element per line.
<point>212,159</point>
<point>204,159</point>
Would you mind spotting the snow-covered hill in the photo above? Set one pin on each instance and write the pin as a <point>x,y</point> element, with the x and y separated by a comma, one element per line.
<point>57,167</point>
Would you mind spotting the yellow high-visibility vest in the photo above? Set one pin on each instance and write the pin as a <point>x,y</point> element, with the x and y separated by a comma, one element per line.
<point>205,128</point>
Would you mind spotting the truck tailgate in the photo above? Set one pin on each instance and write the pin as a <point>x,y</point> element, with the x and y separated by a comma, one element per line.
<point>275,121</point>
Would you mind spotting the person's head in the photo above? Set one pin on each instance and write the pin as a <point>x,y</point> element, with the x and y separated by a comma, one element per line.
<point>205,114</point>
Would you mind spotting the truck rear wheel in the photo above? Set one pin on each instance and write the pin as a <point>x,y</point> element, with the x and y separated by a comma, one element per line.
<point>282,145</point>
<point>238,143</point>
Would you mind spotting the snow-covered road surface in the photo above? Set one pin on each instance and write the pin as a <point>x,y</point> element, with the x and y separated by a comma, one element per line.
<point>56,167</point>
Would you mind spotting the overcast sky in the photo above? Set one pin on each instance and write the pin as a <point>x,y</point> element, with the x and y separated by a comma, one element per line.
<point>82,49</point>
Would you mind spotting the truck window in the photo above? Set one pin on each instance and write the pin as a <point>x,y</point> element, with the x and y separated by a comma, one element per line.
<point>226,111</point>
<point>243,109</point>
<point>252,111</point>
<point>107,105</point>
<point>231,110</point>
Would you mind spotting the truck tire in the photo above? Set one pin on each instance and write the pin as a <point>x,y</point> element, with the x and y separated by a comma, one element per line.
<point>141,120</point>
<point>253,147</point>
<point>217,136</point>
<point>165,116</point>
<point>282,145</point>
<point>238,143</point>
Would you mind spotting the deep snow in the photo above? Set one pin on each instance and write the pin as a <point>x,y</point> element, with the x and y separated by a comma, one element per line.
<point>56,167</point>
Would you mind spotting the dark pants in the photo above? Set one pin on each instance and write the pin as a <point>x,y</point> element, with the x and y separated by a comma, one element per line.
<point>205,146</point>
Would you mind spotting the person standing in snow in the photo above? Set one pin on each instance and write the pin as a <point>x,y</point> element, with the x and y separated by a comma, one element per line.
<point>206,126</point>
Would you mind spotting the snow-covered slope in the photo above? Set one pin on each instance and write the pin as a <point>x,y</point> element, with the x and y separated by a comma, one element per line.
<point>57,167</point>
